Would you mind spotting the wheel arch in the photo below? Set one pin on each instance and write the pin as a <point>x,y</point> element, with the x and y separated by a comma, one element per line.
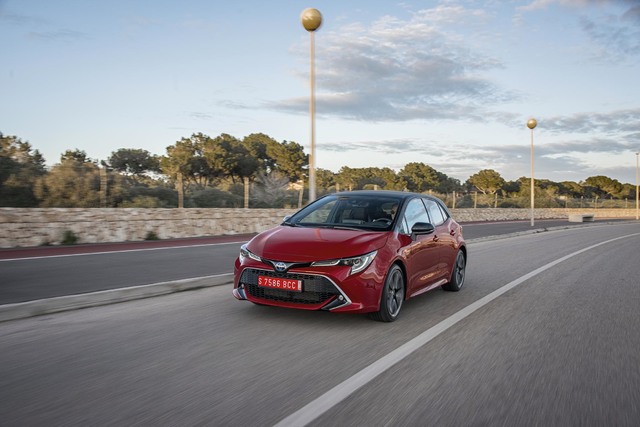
<point>463,248</point>
<point>403,268</point>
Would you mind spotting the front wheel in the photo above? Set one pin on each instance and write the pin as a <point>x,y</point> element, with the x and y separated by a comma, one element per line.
<point>457,274</point>
<point>392,296</point>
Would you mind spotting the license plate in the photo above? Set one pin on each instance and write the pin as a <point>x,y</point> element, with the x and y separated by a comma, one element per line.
<point>280,283</point>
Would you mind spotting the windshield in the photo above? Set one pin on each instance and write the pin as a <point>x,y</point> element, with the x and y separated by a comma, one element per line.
<point>351,211</point>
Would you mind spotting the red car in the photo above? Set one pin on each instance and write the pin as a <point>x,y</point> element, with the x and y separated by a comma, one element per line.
<point>358,252</point>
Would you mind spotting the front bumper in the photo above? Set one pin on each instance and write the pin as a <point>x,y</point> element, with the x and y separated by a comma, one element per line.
<point>319,291</point>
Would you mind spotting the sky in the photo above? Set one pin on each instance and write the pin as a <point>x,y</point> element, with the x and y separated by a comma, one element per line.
<point>450,84</point>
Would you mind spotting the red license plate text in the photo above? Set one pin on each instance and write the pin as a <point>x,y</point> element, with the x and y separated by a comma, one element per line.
<point>280,283</point>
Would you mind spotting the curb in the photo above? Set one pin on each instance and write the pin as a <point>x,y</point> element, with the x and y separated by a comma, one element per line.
<point>73,302</point>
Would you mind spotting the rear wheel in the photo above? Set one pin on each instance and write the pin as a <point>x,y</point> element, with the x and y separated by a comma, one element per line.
<point>392,296</point>
<point>458,273</point>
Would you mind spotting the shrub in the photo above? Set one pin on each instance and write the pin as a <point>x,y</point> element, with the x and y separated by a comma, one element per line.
<point>69,238</point>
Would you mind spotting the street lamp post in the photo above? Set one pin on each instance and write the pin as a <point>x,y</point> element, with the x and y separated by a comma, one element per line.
<point>311,20</point>
<point>637,189</point>
<point>531,124</point>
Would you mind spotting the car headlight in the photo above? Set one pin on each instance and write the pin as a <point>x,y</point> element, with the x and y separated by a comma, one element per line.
<point>246,253</point>
<point>357,263</point>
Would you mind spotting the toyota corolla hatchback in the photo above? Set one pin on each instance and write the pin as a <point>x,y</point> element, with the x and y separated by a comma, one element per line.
<point>357,252</point>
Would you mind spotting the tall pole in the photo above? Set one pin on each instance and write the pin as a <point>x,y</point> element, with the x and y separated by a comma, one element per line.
<point>531,124</point>
<point>103,186</point>
<point>311,20</point>
<point>637,189</point>
<point>312,114</point>
<point>180,188</point>
<point>246,192</point>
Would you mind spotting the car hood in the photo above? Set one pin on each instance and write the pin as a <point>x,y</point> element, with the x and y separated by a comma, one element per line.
<point>304,244</point>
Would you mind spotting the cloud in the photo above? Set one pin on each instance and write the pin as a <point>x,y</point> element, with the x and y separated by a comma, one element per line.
<point>57,35</point>
<point>615,122</point>
<point>591,145</point>
<point>200,115</point>
<point>31,21</point>
<point>19,19</point>
<point>395,146</point>
<point>632,15</point>
<point>616,37</point>
<point>542,4</point>
<point>397,70</point>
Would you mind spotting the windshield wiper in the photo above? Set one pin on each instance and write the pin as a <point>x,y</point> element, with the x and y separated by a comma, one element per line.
<point>344,227</point>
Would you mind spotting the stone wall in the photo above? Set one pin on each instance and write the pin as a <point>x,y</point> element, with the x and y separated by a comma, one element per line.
<point>39,226</point>
<point>47,226</point>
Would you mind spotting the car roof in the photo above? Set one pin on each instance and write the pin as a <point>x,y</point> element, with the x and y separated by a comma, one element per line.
<point>402,195</point>
<point>377,193</point>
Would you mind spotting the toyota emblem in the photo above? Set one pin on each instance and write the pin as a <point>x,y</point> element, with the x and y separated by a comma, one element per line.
<point>280,266</point>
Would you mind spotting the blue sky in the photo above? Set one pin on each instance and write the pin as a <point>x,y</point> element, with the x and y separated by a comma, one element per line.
<point>447,83</point>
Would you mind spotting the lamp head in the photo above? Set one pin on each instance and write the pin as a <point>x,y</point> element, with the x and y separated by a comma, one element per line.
<point>311,19</point>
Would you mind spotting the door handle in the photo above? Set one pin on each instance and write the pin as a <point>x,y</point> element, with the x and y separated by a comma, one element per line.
<point>452,232</point>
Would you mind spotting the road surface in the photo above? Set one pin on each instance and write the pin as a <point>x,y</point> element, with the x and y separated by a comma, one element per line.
<point>543,333</point>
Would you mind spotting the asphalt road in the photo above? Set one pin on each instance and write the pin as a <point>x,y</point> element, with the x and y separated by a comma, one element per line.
<point>543,333</point>
<point>30,274</point>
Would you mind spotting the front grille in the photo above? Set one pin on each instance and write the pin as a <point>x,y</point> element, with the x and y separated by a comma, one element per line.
<point>315,289</point>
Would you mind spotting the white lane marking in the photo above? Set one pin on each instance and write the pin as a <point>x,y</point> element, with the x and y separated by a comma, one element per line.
<point>337,394</point>
<point>512,221</point>
<point>125,251</point>
<point>474,224</point>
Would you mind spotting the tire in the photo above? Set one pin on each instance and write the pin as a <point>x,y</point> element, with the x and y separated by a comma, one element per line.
<point>457,274</point>
<point>392,296</point>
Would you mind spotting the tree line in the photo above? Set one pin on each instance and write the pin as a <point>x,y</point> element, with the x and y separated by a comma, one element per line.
<point>225,171</point>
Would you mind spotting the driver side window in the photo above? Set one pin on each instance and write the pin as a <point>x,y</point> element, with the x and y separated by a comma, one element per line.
<point>414,212</point>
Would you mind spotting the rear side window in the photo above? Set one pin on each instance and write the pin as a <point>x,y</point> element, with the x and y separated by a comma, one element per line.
<point>435,213</point>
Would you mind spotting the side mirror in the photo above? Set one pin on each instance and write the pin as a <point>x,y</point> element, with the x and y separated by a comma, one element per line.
<point>420,228</point>
<point>286,218</point>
